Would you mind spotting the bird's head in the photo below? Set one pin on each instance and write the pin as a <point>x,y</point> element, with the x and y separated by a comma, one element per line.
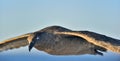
<point>32,40</point>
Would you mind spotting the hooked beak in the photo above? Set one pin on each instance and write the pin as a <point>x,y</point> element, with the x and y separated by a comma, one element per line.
<point>31,45</point>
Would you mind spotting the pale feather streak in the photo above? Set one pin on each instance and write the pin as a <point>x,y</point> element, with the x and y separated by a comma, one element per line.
<point>100,43</point>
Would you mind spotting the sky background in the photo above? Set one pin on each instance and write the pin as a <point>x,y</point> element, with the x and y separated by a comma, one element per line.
<point>23,16</point>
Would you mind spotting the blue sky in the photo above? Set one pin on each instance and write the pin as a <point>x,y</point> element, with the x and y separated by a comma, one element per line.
<point>23,16</point>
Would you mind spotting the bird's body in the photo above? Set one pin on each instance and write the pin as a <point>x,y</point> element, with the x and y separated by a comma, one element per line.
<point>57,44</point>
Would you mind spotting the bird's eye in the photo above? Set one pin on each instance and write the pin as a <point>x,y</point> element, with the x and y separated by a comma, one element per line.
<point>37,38</point>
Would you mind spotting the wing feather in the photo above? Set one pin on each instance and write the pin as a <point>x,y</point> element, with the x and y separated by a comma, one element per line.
<point>14,42</point>
<point>97,39</point>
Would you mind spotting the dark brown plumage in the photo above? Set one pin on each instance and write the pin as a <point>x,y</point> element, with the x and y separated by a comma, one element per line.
<point>53,41</point>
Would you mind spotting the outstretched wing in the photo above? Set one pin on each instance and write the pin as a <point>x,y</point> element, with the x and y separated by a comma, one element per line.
<point>15,42</point>
<point>97,39</point>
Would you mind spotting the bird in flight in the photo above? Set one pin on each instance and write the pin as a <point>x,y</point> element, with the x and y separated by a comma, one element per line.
<point>57,40</point>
